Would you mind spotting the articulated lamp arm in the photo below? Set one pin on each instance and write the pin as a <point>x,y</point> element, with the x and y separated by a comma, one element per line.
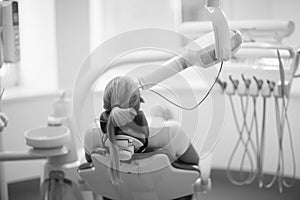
<point>201,52</point>
<point>205,51</point>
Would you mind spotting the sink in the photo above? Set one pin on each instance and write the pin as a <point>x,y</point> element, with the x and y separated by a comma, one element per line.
<point>48,137</point>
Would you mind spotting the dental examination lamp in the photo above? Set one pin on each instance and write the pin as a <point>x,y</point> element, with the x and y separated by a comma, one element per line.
<point>205,51</point>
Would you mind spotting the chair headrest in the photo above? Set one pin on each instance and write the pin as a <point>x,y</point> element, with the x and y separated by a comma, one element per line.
<point>136,143</point>
<point>126,145</point>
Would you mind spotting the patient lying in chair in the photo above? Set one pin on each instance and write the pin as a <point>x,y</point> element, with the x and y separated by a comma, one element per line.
<point>122,116</point>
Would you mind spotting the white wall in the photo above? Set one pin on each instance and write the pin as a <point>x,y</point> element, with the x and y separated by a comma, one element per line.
<point>111,17</point>
<point>72,32</point>
<point>38,45</point>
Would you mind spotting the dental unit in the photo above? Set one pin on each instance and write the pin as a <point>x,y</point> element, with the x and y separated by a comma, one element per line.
<point>262,69</point>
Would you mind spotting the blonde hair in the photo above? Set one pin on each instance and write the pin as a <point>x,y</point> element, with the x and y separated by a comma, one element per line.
<point>122,100</point>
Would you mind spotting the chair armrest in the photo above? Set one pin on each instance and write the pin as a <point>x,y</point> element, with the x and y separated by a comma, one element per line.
<point>150,152</point>
<point>185,166</point>
<point>175,163</point>
<point>85,166</point>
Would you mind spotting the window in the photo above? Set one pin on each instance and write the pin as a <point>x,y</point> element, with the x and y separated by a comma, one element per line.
<point>191,10</point>
<point>10,75</point>
<point>108,18</point>
<point>37,70</point>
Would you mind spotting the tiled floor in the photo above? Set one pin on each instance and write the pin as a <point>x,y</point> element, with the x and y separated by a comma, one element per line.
<point>222,189</point>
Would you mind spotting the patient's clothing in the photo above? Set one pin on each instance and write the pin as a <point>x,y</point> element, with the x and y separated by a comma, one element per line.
<point>169,135</point>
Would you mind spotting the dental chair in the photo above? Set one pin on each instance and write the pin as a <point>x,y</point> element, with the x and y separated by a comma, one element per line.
<point>149,175</point>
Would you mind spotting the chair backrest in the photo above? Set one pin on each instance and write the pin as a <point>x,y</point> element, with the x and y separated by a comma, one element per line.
<point>150,178</point>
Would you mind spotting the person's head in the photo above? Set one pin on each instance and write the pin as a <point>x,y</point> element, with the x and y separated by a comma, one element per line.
<point>121,92</point>
<point>122,101</point>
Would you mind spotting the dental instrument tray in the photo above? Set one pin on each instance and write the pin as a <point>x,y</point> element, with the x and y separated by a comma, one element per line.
<point>47,137</point>
<point>260,60</point>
